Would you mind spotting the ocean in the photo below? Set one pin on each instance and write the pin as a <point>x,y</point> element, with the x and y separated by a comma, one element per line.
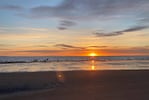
<point>69,63</point>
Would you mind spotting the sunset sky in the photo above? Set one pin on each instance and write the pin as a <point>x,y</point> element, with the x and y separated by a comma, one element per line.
<point>74,27</point>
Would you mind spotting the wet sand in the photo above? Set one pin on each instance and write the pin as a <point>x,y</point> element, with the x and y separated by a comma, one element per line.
<point>75,85</point>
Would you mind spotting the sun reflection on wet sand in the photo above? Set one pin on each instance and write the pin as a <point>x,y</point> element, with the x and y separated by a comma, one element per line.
<point>92,58</point>
<point>92,64</point>
<point>60,76</point>
<point>93,67</point>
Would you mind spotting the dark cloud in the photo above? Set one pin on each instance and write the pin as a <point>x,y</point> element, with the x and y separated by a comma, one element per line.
<point>62,28</point>
<point>82,9</point>
<point>65,24</point>
<point>11,7</point>
<point>68,46</point>
<point>98,46</point>
<point>99,34</point>
<point>70,11</point>
<point>117,33</point>
<point>137,28</point>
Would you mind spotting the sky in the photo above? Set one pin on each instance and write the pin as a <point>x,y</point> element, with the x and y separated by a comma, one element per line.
<point>74,27</point>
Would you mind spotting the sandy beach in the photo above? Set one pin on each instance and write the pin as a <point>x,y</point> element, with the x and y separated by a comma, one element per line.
<point>75,85</point>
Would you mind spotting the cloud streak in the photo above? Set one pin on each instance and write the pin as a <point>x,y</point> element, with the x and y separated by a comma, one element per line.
<point>97,46</point>
<point>111,51</point>
<point>66,24</point>
<point>66,46</point>
<point>62,28</point>
<point>11,7</point>
<point>117,33</point>
<point>137,28</point>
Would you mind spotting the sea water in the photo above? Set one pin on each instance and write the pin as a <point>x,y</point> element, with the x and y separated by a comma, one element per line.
<point>69,63</point>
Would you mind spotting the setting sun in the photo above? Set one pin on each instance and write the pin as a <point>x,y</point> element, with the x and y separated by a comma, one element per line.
<point>92,54</point>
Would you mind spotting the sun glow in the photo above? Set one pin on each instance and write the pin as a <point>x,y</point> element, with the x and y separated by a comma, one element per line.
<point>92,54</point>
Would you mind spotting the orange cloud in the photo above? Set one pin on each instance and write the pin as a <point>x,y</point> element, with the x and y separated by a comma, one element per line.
<point>78,52</point>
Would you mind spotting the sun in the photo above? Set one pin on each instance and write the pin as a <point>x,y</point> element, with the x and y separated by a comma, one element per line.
<point>92,54</point>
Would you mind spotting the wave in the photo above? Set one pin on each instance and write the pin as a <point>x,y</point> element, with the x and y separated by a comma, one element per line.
<point>12,59</point>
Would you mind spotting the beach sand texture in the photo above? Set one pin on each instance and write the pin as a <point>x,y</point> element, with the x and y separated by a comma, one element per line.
<point>75,85</point>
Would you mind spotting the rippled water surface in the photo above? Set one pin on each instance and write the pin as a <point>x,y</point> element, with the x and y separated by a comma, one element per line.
<point>33,64</point>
